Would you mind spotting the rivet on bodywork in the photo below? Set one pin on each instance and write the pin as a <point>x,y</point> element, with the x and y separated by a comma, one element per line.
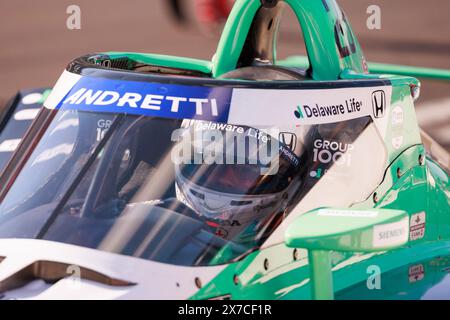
<point>375,197</point>
<point>198,282</point>
<point>266,264</point>
<point>295,254</point>
<point>421,160</point>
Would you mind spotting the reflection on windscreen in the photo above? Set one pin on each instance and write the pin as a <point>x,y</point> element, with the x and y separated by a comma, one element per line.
<point>109,182</point>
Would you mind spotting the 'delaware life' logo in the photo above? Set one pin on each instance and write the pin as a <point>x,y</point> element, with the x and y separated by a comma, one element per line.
<point>328,111</point>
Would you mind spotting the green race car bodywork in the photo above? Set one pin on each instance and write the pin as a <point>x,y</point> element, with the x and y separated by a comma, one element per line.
<point>415,181</point>
<point>408,272</point>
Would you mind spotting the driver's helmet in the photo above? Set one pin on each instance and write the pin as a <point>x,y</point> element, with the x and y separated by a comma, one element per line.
<point>243,192</point>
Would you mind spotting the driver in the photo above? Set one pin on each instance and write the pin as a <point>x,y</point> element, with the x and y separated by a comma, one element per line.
<point>237,200</point>
<point>247,196</point>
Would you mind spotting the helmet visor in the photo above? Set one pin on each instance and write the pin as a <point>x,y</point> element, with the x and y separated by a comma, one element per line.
<point>246,161</point>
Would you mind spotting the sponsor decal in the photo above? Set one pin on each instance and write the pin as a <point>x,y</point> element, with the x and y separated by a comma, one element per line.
<point>260,135</point>
<point>379,103</point>
<point>331,174</point>
<point>390,234</point>
<point>397,116</point>
<point>239,144</point>
<point>289,139</point>
<point>397,119</point>
<point>348,213</point>
<point>417,226</point>
<point>416,273</point>
<point>26,114</point>
<point>32,98</point>
<point>299,113</point>
<point>397,142</point>
<point>317,174</point>
<point>287,154</point>
<point>149,99</point>
<point>207,125</point>
<point>332,152</point>
<point>323,111</point>
<point>261,107</point>
<point>245,106</point>
<point>9,145</point>
<point>102,126</point>
<point>335,152</point>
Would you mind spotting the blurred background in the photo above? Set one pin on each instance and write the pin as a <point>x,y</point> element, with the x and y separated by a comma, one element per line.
<point>36,45</point>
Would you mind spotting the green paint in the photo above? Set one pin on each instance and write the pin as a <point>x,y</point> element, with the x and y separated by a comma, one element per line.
<point>321,276</point>
<point>425,73</point>
<point>299,113</point>
<point>420,187</point>
<point>324,230</point>
<point>384,69</point>
<point>45,95</point>
<point>347,230</point>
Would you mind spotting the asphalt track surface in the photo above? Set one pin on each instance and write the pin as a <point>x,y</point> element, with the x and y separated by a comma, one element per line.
<point>35,44</point>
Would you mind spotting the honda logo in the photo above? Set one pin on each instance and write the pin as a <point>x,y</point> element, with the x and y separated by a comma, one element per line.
<point>289,139</point>
<point>379,103</point>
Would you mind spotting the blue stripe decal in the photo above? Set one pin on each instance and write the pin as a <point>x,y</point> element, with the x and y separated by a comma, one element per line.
<point>149,99</point>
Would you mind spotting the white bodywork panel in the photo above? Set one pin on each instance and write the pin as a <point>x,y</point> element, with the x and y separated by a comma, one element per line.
<point>152,280</point>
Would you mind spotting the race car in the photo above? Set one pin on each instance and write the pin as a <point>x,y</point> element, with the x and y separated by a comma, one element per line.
<point>157,177</point>
<point>16,117</point>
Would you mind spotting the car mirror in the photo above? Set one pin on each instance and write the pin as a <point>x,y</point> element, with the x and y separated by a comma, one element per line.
<point>323,230</point>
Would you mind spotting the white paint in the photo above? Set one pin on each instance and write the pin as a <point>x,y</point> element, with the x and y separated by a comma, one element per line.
<point>64,84</point>
<point>32,98</point>
<point>397,142</point>
<point>416,273</point>
<point>269,107</point>
<point>9,145</point>
<point>417,226</point>
<point>261,107</point>
<point>26,114</point>
<point>391,234</point>
<point>397,118</point>
<point>348,213</point>
<point>346,190</point>
<point>153,280</point>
